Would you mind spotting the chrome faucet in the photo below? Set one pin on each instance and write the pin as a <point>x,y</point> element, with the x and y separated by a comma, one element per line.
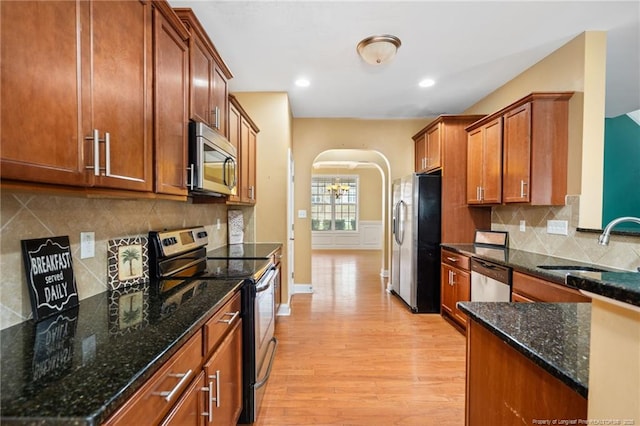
<point>603,240</point>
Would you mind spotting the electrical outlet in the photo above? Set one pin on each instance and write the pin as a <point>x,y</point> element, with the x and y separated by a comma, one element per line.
<point>522,226</point>
<point>559,227</point>
<point>218,224</point>
<point>87,245</point>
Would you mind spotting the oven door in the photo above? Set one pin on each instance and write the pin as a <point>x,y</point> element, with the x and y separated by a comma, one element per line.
<point>265,341</point>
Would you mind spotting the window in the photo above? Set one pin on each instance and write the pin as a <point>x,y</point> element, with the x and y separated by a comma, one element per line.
<point>330,212</point>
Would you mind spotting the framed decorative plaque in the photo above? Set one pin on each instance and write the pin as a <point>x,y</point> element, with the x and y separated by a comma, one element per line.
<point>128,262</point>
<point>49,269</point>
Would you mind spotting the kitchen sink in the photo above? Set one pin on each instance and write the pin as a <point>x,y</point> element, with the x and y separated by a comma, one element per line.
<point>571,268</point>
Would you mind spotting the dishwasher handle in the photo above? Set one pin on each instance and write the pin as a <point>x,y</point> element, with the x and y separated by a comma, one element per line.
<point>492,270</point>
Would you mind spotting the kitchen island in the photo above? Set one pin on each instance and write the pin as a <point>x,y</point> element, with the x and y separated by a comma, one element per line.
<point>78,367</point>
<point>526,362</point>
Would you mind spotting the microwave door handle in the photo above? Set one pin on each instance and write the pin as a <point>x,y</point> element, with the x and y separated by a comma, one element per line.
<point>225,171</point>
<point>234,174</point>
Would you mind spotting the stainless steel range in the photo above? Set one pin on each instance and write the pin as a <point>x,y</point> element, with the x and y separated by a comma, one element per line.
<point>178,258</point>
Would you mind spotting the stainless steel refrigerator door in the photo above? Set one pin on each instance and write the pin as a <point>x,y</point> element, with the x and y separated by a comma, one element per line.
<point>396,238</point>
<point>407,248</point>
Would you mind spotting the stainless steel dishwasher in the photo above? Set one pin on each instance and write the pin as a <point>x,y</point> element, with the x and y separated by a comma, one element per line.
<point>490,282</point>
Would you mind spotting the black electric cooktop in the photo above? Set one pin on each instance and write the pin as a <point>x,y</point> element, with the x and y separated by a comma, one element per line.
<point>244,251</point>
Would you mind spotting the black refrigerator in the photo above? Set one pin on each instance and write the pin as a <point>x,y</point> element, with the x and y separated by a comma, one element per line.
<point>416,222</point>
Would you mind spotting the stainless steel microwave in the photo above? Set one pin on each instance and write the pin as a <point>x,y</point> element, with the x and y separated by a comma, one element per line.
<point>212,162</point>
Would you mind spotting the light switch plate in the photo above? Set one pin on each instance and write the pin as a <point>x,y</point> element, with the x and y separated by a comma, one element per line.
<point>302,214</point>
<point>523,226</point>
<point>87,245</point>
<point>559,227</point>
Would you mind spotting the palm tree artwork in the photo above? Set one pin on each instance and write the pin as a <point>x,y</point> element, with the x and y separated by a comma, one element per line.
<point>128,256</point>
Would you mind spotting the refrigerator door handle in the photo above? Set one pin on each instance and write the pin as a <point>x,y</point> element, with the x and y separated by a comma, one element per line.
<point>400,233</point>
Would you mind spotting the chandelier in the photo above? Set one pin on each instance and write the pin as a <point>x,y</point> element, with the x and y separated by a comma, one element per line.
<point>337,189</point>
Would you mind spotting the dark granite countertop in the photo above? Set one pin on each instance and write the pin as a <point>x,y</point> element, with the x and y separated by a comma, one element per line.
<point>78,367</point>
<point>245,251</point>
<point>553,335</point>
<point>614,283</point>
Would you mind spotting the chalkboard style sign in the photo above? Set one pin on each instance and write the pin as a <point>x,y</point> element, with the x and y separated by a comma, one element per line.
<point>49,269</point>
<point>53,346</point>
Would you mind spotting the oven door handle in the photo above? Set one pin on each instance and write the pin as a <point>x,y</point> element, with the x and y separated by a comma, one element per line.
<point>267,282</point>
<point>264,380</point>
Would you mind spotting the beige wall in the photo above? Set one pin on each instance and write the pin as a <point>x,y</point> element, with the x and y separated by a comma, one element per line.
<point>577,66</point>
<point>272,114</point>
<point>369,191</point>
<point>312,136</point>
<point>29,215</point>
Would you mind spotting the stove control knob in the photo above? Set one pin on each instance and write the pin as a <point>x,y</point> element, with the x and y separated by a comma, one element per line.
<point>169,241</point>
<point>202,234</point>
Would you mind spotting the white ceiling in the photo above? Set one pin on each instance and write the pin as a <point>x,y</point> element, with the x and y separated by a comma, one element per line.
<point>469,48</point>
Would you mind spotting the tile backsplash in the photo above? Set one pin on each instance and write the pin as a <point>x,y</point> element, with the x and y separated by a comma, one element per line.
<point>623,252</point>
<point>26,215</point>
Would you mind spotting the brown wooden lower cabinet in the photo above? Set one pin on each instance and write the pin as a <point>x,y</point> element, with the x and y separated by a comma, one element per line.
<point>189,389</point>
<point>506,388</point>
<point>455,285</point>
<point>527,288</point>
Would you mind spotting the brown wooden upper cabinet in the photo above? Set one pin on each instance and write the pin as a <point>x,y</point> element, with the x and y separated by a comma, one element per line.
<point>209,75</point>
<point>243,134</point>
<point>76,94</point>
<point>428,149</point>
<point>484,162</point>
<point>526,155</point>
<point>171,93</point>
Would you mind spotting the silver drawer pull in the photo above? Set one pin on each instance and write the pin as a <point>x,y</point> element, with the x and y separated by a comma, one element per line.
<point>168,395</point>
<point>209,414</point>
<point>452,259</point>
<point>234,315</point>
<point>215,377</point>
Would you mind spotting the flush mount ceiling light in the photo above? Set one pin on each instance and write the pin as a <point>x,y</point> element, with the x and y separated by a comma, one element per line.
<point>302,82</point>
<point>378,49</point>
<point>427,82</point>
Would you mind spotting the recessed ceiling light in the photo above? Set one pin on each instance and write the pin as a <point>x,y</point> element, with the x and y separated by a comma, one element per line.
<point>302,82</point>
<point>427,82</point>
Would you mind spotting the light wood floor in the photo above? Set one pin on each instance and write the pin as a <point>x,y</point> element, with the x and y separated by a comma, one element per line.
<point>352,354</point>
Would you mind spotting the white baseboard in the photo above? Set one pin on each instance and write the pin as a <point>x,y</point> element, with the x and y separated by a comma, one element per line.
<point>284,310</point>
<point>302,288</point>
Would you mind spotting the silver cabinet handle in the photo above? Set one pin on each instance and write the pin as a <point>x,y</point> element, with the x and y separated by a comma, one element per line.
<point>216,121</point>
<point>168,395</point>
<point>233,315</point>
<point>452,259</point>
<point>453,278</point>
<point>209,413</point>
<point>481,193</point>
<point>96,151</point>
<point>190,179</point>
<point>522,193</point>
<point>252,192</point>
<point>215,377</point>
<point>107,151</point>
<point>478,193</point>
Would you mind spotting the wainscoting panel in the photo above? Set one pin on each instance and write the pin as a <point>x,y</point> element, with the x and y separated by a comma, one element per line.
<point>367,237</point>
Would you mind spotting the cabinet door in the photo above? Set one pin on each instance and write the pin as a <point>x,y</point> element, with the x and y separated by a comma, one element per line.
<point>219,101</point>
<point>474,165</point>
<point>189,410</point>
<point>462,285</point>
<point>252,163</point>
<point>447,290</point>
<point>434,137</point>
<point>121,89</point>
<point>40,85</point>
<point>517,155</point>
<point>234,138</point>
<point>492,163</point>
<point>421,153</point>
<point>202,67</point>
<point>223,373</point>
<point>171,68</point>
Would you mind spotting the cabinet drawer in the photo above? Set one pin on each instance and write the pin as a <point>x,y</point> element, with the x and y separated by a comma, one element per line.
<point>516,297</point>
<point>158,395</point>
<point>223,320</point>
<point>455,259</point>
<point>540,290</point>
